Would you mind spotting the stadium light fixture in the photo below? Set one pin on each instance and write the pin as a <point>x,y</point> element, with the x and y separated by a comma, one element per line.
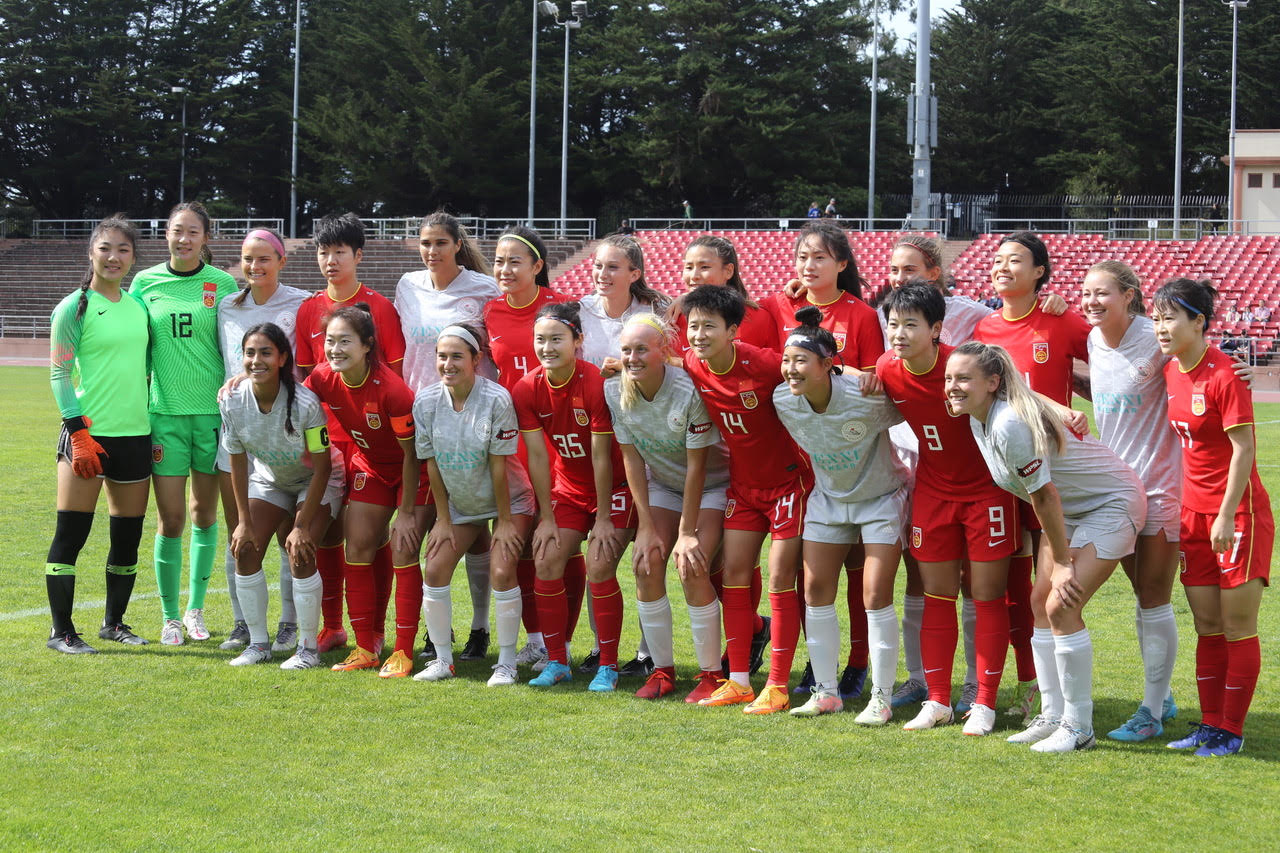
<point>182,157</point>
<point>293,167</point>
<point>578,9</point>
<point>1236,6</point>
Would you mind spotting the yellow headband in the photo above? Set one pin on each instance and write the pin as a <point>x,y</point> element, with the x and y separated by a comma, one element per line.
<point>649,320</point>
<point>536,254</point>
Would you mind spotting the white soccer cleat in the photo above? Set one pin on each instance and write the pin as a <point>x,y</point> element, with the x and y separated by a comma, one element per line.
<point>286,637</point>
<point>1065,739</point>
<point>504,674</point>
<point>252,654</point>
<point>171,633</point>
<point>1041,727</point>
<point>980,721</point>
<point>931,714</point>
<point>437,670</point>
<point>877,712</point>
<point>193,621</point>
<point>531,655</point>
<point>302,659</point>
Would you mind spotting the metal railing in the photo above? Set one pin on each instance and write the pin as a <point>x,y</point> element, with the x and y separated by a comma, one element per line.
<point>1137,229</point>
<point>406,227</point>
<point>66,229</point>
<point>785,224</point>
<point>4,228</point>
<point>24,326</point>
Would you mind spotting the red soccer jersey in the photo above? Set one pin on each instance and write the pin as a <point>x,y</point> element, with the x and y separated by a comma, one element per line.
<point>1043,347</point>
<point>511,335</point>
<point>761,452</point>
<point>950,466</point>
<point>853,323</point>
<point>1204,403</point>
<point>375,413</point>
<point>309,349</point>
<point>758,329</point>
<point>569,415</point>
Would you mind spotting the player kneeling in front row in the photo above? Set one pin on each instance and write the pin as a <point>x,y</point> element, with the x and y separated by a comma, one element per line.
<point>1090,505</point>
<point>677,469</point>
<point>857,498</point>
<point>466,431</point>
<point>293,472</point>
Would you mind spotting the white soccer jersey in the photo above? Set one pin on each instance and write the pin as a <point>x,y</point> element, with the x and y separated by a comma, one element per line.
<point>278,458</point>
<point>600,332</point>
<point>234,320</point>
<point>461,443</point>
<point>851,454</point>
<point>663,430</point>
<point>962,317</point>
<point>424,311</point>
<point>1130,407</point>
<point>1086,472</point>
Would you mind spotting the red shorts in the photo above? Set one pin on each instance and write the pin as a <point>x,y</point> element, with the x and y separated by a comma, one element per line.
<point>1027,516</point>
<point>1249,557</point>
<point>941,529</point>
<point>372,484</point>
<point>573,513</point>
<point>778,511</point>
<point>425,496</point>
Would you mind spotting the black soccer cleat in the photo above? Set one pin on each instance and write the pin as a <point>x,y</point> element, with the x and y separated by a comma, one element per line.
<point>70,644</point>
<point>477,645</point>
<point>120,633</point>
<point>637,666</point>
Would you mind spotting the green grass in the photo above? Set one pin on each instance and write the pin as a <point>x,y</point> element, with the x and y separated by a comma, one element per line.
<point>156,748</point>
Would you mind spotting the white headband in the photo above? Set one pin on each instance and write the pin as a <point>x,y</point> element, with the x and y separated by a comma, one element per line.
<point>460,332</point>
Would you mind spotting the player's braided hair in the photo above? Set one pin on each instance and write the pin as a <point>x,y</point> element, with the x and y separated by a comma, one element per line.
<point>280,341</point>
<point>114,222</point>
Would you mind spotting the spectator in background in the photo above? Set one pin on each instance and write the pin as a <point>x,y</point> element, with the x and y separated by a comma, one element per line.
<point>625,227</point>
<point>1215,217</point>
<point>831,212</point>
<point>1261,313</point>
<point>688,209</point>
<point>1232,317</point>
<point>814,212</point>
<point>1246,316</point>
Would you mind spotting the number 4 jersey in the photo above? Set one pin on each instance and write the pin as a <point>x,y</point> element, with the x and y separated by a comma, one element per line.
<point>186,363</point>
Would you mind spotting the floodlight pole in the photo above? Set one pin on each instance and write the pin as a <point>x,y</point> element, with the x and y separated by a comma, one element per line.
<point>533,104</point>
<point>293,167</point>
<point>875,88</point>
<point>182,157</point>
<point>1177,135</point>
<point>920,166</point>
<point>1231,150</point>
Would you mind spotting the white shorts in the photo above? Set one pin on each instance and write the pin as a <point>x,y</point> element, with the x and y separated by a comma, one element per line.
<point>906,451</point>
<point>290,500</point>
<point>1112,528</point>
<point>1164,512</point>
<point>664,498</point>
<point>223,460</point>
<point>523,504</point>
<point>872,522</point>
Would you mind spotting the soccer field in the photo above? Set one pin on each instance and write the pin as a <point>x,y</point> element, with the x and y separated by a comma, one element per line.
<point>168,747</point>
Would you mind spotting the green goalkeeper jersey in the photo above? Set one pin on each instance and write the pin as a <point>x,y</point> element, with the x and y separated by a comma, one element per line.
<point>186,364</point>
<point>98,364</point>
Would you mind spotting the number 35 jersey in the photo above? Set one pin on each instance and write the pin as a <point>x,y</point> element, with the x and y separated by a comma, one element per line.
<point>186,363</point>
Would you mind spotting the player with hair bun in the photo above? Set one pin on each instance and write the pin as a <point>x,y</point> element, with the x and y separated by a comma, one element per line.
<point>1090,506</point>
<point>98,373</point>
<point>374,407</point>
<point>274,425</point>
<point>1227,529</point>
<point>466,431</point>
<point>677,469</point>
<point>182,297</point>
<point>582,492</point>
<point>858,498</point>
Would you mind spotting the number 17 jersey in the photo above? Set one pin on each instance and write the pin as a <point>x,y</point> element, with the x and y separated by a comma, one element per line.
<point>762,454</point>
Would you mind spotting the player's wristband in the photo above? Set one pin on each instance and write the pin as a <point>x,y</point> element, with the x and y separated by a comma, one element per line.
<point>75,424</point>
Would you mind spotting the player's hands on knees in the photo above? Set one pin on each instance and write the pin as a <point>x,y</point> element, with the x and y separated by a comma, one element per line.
<point>1065,585</point>
<point>649,556</point>
<point>546,538</point>
<point>405,538</point>
<point>506,540</point>
<point>605,544</point>
<point>690,561</point>
<point>300,547</point>
<point>242,541</point>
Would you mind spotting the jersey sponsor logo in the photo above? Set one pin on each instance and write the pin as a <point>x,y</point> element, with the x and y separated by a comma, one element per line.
<point>1197,404</point>
<point>729,508</point>
<point>699,429</point>
<point>357,482</point>
<point>210,294</point>
<point>854,430</point>
<point>507,434</point>
<point>749,399</point>
<point>1030,468</point>
<point>157,453</point>
<point>1040,351</point>
<point>917,537</point>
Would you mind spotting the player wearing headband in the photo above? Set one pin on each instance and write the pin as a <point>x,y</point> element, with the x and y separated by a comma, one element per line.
<point>182,298</point>
<point>278,428</point>
<point>857,498</point>
<point>677,469</point>
<point>583,491</point>
<point>466,431</point>
<point>263,300</point>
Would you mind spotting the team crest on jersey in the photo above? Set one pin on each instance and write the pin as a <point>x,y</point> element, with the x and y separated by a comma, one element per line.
<point>482,428</point>
<point>917,537</point>
<point>749,399</point>
<point>357,482</point>
<point>1040,351</point>
<point>840,337</point>
<point>1197,404</point>
<point>157,453</point>
<point>676,420</point>
<point>373,419</point>
<point>286,321</point>
<point>468,307</point>
<point>854,430</point>
<point>580,411</point>
<point>210,294</point>
<point>1141,370</point>
<point>1182,562</point>
<point>730,507</point>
